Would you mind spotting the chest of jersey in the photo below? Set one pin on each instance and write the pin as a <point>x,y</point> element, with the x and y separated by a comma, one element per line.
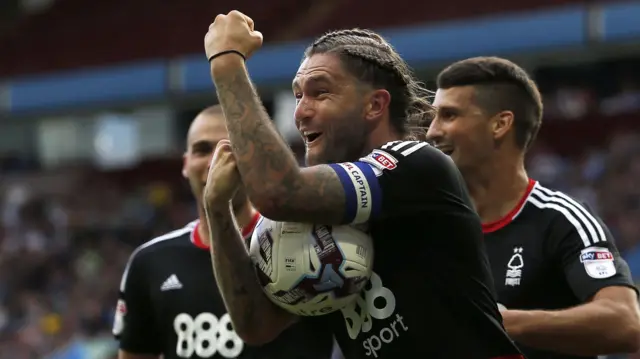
<point>190,312</point>
<point>524,268</point>
<point>399,314</point>
<point>192,320</point>
<point>185,283</point>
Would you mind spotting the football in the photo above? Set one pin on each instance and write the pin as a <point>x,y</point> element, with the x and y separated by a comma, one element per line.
<point>311,269</point>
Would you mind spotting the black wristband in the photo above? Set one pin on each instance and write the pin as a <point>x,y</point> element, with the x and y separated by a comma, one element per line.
<point>227,52</point>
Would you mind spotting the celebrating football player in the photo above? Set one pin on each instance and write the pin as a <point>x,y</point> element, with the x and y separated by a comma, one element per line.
<point>566,290</point>
<point>429,295</point>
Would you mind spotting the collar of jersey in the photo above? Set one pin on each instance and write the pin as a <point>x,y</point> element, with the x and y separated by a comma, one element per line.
<point>246,232</point>
<point>504,221</point>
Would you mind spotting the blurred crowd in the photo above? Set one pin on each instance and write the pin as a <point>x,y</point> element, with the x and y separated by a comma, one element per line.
<point>65,235</point>
<point>61,257</point>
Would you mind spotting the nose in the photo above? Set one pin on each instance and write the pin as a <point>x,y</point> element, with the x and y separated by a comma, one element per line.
<point>304,111</point>
<point>434,133</point>
<point>209,161</point>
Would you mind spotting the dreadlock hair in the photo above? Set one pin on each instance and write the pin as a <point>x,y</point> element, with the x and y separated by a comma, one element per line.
<point>372,60</point>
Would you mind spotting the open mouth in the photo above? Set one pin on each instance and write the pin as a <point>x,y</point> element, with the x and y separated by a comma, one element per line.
<point>446,150</point>
<point>311,137</point>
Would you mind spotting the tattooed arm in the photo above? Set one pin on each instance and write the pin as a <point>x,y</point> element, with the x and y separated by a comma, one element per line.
<point>275,183</point>
<point>255,318</point>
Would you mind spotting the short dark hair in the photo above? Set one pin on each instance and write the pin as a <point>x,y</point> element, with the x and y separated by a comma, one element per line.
<point>500,85</point>
<point>372,60</point>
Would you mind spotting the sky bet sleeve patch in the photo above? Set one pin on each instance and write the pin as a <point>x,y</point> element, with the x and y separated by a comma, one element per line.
<point>598,262</point>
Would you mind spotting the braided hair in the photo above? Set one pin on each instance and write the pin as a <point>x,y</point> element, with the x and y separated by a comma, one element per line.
<point>372,60</point>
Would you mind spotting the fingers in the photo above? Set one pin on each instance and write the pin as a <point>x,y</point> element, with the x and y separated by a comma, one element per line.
<point>234,31</point>
<point>238,14</point>
<point>249,21</point>
<point>224,169</point>
<point>223,146</point>
<point>242,17</point>
<point>223,165</point>
<point>219,18</point>
<point>257,35</point>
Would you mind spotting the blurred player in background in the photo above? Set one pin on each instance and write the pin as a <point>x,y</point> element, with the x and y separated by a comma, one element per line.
<point>169,303</point>
<point>430,295</point>
<point>566,290</point>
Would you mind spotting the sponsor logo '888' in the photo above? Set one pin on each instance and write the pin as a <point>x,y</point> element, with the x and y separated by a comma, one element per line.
<point>205,335</point>
<point>377,302</point>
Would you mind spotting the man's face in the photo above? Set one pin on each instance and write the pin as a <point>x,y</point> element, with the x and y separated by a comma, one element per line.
<point>460,128</point>
<point>204,134</point>
<point>330,111</point>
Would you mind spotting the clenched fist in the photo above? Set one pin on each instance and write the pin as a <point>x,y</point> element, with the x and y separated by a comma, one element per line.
<point>223,180</point>
<point>233,31</point>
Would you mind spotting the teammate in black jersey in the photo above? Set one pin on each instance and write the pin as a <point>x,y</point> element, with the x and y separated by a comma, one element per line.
<point>555,265</point>
<point>169,304</point>
<point>430,295</point>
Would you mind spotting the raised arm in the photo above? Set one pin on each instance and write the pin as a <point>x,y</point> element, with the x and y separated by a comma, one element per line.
<point>255,318</point>
<point>277,186</point>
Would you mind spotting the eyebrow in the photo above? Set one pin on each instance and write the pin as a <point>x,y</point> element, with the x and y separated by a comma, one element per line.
<point>203,144</point>
<point>313,79</point>
<point>447,108</point>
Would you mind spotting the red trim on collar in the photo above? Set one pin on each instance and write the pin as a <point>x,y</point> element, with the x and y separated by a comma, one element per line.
<point>196,239</point>
<point>504,221</point>
<point>246,232</point>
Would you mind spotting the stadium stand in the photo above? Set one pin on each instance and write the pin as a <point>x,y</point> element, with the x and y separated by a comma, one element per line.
<point>76,33</point>
<point>380,15</point>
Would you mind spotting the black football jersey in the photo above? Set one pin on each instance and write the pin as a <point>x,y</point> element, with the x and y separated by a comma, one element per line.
<point>431,293</point>
<point>551,252</point>
<point>169,304</point>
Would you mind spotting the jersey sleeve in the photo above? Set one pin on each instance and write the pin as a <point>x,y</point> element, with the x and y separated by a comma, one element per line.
<point>398,179</point>
<point>134,324</point>
<point>586,250</point>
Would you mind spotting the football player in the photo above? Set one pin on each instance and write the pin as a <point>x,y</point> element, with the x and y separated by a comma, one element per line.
<point>565,291</point>
<point>430,294</point>
<point>169,304</point>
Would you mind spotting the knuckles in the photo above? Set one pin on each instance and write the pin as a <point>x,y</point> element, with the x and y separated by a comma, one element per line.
<point>233,14</point>
<point>223,156</point>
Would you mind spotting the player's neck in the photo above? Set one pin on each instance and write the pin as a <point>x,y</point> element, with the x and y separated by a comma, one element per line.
<point>243,215</point>
<point>497,187</point>
<point>381,136</point>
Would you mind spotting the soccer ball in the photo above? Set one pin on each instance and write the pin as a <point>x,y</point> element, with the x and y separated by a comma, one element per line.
<point>311,269</point>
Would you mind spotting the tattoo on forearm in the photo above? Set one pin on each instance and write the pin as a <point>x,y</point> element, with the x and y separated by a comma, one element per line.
<point>234,271</point>
<point>263,158</point>
<point>266,162</point>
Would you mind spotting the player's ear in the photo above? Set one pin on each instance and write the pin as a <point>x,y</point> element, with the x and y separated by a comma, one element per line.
<point>501,123</point>
<point>378,104</point>
<point>184,165</point>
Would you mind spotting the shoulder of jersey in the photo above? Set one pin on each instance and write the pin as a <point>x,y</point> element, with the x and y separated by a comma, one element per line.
<point>571,212</point>
<point>388,155</point>
<point>169,238</point>
<point>559,203</point>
